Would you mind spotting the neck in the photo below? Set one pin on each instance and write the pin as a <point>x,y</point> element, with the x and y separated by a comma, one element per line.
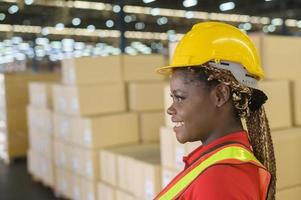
<point>223,129</point>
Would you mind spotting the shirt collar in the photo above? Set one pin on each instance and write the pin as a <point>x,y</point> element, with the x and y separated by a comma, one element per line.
<point>241,137</point>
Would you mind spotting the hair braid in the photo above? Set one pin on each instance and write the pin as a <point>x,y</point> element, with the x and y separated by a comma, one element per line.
<point>261,141</point>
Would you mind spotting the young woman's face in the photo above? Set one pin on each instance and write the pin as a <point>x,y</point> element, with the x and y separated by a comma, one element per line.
<point>193,109</point>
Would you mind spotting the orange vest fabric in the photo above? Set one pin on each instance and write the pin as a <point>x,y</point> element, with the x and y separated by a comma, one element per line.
<point>226,154</point>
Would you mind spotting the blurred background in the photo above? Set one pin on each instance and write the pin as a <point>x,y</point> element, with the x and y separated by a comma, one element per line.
<point>82,111</point>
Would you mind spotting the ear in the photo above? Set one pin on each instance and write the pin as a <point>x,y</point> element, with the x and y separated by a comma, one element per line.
<point>222,94</point>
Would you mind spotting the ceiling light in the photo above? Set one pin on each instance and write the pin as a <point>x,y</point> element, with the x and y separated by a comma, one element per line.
<point>91,28</point>
<point>148,1</point>
<point>28,2</point>
<point>109,23</point>
<point>76,21</point>
<point>299,24</point>
<point>189,14</point>
<point>267,0</point>
<point>116,8</point>
<point>271,28</point>
<point>264,20</point>
<point>2,16</point>
<point>139,25</point>
<point>247,26</point>
<point>45,31</point>
<point>277,21</point>
<point>265,29</point>
<point>189,3</point>
<point>13,9</point>
<point>227,6</point>
<point>60,26</point>
<point>162,20</point>
<point>155,11</point>
<point>291,22</point>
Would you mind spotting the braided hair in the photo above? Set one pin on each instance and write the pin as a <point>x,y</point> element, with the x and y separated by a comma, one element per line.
<point>248,103</point>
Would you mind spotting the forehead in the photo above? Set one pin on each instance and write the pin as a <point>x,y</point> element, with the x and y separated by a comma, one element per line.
<point>182,79</point>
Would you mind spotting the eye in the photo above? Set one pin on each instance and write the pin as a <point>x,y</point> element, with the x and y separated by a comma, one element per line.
<point>177,98</point>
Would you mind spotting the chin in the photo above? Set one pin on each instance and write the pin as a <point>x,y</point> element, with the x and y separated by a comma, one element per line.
<point>181,140</point>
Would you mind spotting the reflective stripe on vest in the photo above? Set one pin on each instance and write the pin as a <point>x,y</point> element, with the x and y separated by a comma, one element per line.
<point>227,153</point>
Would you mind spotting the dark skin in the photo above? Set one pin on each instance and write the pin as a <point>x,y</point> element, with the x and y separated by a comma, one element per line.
<point>206,112</point>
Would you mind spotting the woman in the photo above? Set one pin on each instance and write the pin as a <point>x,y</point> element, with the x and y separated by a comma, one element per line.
<point>214,73</point>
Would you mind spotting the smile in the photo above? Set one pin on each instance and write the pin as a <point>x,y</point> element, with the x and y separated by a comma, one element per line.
<point>178,124</point>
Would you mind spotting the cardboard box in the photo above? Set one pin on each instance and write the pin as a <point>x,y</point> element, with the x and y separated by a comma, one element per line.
<point>42,144</point>
<point>90,99</point>
<point>90,163</point>
<point>113,161</point>
<point>146,96</point>
<point>284,62</point>
<point>296,89</point>
<point>64,183</point>
<point>77,191</point>
<point>62,155</point>
<point>142,67</point>
<point>286,145</point>
<point>41,168</point>
<point>278,105</point>
<point>293,193</point>
<point>256,39</point>
<point>151,180</point>
<point>150,123</point>
<point>171,49</point>
<point>62,127</point>
<point>106,130</point>
<point>167,141</point>
<point>39,119</point>
<point>172,151</point>
<point>128,181</point>
<point>89,189</point>
<point>108,165</point>
<point>167,103</point>
<point>47,171</point>
<point>105,191</point>
<point>40,94</point>
<point>168,175</point>
<point>122,195</point>
<point>91,70</point>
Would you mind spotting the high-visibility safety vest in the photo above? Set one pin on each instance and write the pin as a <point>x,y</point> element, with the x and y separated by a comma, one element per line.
<point>228,154</point>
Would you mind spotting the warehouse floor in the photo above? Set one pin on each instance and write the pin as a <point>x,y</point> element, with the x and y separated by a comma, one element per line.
<point>16,183</point>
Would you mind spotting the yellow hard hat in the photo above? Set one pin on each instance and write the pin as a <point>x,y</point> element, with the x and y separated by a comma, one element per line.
<point>215,41</point>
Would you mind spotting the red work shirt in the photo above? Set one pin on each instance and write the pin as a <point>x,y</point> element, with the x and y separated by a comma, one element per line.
<point>224,181</point>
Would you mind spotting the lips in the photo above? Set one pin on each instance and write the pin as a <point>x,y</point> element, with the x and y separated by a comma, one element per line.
<point>178,126</point>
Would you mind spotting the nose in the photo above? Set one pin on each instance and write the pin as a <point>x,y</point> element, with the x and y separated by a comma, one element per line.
<point>171,110</point>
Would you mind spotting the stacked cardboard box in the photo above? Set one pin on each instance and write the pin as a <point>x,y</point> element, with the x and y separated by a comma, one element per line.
<point>90,114</point>
<point>282,68</point>
<point>145,93</point>
<point>130,172</point>
<point>39,115</point>
<point>287,143</point>
<point>14,99</point>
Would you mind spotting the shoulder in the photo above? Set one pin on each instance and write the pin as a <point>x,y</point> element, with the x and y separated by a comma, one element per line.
<point>226,181</point>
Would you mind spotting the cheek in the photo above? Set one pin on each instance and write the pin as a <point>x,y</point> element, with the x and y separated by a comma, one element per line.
<point>198,116</point>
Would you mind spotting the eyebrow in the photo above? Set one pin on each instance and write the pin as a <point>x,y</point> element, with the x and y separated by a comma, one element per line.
<point>178,90</point>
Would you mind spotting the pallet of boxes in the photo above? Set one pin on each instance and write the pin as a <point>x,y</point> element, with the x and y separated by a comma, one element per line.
<point>13,116</point>
<point>39,114</point>
<point>92,113</point>
<point>133,172</point>
<point>283,87</point>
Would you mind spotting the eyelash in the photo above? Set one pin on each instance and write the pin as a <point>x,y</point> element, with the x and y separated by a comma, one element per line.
<point>178,98</point>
